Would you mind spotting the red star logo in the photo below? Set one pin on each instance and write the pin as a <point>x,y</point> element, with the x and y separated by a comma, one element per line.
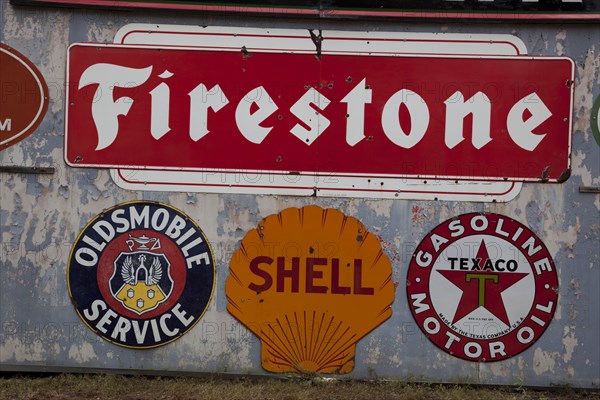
<point>482,287</point>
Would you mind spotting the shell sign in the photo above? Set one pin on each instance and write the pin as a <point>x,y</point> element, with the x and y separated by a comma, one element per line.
<point>310,283</point>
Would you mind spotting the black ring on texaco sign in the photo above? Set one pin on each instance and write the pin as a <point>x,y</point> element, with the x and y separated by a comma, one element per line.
<point>482,287</point>
<point>141,274</point>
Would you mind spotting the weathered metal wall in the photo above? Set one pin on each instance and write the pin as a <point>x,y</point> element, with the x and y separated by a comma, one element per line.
<point>41,216</point>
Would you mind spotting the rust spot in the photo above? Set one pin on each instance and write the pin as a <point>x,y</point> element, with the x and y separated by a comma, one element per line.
<point>246,53</point>
<point>544,177</point>
<point>566,174</point>
<point>418,216</point>
<point>317,40</point>
<point>294,173</point>
<point>311,250</point>
<point>359,238</point>
<point>570,83</point>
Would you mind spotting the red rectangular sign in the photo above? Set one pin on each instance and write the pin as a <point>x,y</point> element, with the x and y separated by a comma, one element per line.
<point>350,114</point>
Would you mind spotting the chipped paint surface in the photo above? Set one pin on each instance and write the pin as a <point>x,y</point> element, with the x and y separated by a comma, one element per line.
<point>41,215</point>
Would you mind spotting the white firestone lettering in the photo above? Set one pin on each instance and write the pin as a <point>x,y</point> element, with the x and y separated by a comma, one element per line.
<point>419,116</point>
<point>105,108</point>
<point>480,107</point>
<point>201,100</point>
<point>249,123</point>
<point>355,112</point>
<point>160,108</point>
<point>316,122</point>
<point>521,132</point>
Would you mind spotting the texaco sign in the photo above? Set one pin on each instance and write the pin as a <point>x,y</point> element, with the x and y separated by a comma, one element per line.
<point>482,287</point>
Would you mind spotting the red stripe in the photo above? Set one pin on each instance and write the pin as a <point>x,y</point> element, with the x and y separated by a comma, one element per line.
<point>340,13</point>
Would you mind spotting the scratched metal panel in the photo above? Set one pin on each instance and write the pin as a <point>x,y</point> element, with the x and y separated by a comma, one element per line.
<point>41,215</point>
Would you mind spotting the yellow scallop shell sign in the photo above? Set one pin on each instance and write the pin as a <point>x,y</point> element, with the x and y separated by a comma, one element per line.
<point>310,282</point>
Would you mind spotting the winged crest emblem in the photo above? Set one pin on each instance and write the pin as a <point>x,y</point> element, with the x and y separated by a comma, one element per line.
<point>141,280</point>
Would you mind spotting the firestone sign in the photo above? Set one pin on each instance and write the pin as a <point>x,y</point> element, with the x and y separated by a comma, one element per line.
<point>301,113</point>
<point>482,287</point>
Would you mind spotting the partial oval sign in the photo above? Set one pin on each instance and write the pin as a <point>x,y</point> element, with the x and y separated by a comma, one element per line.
<point>23,97</point>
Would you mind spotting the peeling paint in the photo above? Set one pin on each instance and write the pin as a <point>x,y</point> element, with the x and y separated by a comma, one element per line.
<point>560,46</point>
<point>83,353</point>
<point>544,361</point>
<point>373,352</point>
<point>15,350</point>
<point>570,342</point>
<point>588,73</point>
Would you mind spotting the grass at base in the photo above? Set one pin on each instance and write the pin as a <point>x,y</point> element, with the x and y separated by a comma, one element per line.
<point>117,387</point>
